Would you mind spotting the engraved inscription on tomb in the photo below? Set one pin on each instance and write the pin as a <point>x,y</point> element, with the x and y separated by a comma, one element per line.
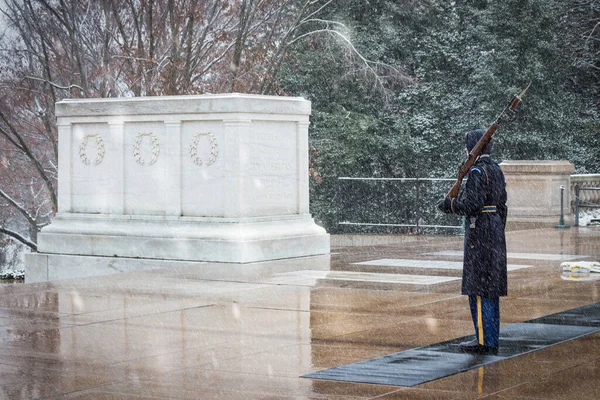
<point>274,190</point>
<point>272,152</point>
<point>277,137</point>
<point>263,165</point>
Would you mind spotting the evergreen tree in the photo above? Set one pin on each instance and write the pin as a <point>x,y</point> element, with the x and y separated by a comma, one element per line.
<point>468,58</point>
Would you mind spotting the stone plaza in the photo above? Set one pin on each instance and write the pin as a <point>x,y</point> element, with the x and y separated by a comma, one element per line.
<point>251,331</point>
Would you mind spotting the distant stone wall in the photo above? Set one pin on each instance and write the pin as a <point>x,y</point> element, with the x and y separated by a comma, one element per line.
<point>533,189</point>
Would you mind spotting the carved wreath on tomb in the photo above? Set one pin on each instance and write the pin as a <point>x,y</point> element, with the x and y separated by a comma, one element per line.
<point>214,150</point>
<point>83,149</point>
<point>155,148</point>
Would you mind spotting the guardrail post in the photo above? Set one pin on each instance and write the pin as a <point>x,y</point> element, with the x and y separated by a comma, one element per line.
<point>418,214</point>
<point>561,222</point>
<point>576,204</point>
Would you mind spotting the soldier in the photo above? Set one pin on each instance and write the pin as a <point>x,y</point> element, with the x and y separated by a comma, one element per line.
<point>483,202</point>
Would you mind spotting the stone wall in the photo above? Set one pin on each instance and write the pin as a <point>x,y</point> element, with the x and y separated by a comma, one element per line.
<point>533,189</point>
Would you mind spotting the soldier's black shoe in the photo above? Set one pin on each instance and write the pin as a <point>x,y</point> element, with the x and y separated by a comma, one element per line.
<point>473,346</point>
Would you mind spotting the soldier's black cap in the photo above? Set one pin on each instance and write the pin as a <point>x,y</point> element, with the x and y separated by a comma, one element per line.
<point>471,139</point>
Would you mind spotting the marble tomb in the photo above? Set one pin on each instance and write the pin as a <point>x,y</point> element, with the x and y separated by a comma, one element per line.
<point>184,178</point>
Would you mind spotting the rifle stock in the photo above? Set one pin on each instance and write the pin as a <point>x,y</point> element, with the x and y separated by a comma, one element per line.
<point>485,139</point>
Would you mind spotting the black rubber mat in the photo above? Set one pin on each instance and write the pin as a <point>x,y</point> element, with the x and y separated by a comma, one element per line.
<point>583,316</point>
<point>424,364</point>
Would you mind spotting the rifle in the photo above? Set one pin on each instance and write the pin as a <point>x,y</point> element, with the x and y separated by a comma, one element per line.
<point>476,151</point>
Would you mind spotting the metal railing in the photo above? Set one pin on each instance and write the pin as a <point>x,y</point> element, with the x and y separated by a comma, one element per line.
<point>578,202</point>
<point>376,203</point>
<point>579,185</point>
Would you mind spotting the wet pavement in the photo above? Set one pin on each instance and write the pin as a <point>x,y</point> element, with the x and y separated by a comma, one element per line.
<point>251,331</point>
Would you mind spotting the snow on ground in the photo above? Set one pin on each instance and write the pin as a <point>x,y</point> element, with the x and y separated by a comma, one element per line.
<point>12,261</point>
<point>589,217</point>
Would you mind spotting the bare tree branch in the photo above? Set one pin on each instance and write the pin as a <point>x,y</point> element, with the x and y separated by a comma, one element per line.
<point>72,86</point>
<point>368,64</point>
<point>27,151</point>
<point>19,237</point>
<point>18,207</point>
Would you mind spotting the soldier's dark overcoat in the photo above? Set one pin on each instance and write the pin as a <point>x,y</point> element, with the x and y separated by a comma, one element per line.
<point>484,268</point>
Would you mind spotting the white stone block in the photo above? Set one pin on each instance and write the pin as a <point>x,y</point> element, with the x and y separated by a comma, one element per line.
<point>196,178</point>
<point>50,267</point>
<point>36,267</point>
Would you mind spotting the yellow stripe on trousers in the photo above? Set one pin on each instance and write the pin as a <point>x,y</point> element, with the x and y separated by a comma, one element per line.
<point>479,321</point>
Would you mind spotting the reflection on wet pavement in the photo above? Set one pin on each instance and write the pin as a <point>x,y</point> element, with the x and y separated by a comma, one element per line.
<point>250,331</point>
<point>424,364</point>
<point>428,264</point>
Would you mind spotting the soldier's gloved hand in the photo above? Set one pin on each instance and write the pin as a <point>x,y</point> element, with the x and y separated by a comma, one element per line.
<point>444,205</point>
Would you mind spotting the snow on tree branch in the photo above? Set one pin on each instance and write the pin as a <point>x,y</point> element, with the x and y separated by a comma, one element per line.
<point>54,84</point>
<point>19,237</point>
<point>18,207</point>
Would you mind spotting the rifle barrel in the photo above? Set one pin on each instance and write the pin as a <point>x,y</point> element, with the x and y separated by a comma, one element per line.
<point>480,145</point>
